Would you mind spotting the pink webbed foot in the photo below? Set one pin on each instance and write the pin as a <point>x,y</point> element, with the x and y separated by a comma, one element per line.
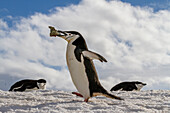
<point>78,94</point>
<point>86,100</point>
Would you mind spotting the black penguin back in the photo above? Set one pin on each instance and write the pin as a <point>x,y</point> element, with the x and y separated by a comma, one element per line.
<point>125,86</point>
<point>23,85</point>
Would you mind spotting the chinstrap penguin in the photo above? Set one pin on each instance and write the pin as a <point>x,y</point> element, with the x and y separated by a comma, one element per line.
<point>128,86</point>
<point>80,65</point>
<point>28,85</point>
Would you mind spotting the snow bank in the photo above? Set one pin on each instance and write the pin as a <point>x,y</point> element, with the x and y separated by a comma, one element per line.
<point>46,101</point>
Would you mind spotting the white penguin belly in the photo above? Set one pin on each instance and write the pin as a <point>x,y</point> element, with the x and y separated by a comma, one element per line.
<point>27,90</point>
<point>77,71</point>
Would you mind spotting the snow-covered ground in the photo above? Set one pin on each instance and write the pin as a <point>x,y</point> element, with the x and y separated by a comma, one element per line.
<point>50,101</point>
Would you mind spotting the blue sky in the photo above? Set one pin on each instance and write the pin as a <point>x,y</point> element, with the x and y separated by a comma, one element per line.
<point>25,8</point>
<point>28,7</point>
<point>140,52</point>
<point>146,2</point>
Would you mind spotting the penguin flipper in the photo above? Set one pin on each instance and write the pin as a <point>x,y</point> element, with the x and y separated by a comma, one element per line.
<point>115,88</point>
<point>93,55</point>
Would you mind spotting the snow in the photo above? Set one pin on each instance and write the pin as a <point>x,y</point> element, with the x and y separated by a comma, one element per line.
<point>50,101</point>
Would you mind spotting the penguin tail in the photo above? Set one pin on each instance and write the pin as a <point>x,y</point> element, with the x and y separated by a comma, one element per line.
<point>109,95</point>
<point>10,90</point>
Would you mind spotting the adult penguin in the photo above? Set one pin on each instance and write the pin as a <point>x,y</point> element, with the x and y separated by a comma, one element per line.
<point>80,65</point>
<point>28,85</point>
<point>128,86</point>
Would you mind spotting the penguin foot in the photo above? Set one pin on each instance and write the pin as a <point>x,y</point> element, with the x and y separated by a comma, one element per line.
<point>78,94</point>
<point>86,100</point>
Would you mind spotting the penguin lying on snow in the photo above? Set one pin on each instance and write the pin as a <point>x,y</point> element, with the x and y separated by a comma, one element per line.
<point>128,86</point>
<point>80,64</point>
<point>28,85</point>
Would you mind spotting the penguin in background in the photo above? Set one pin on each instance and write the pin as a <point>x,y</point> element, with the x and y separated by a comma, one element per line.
<point>128,86</point>
<point>28,85</point>
<point>80,65</point>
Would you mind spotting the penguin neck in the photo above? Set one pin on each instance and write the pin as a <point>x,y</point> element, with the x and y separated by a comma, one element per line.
<point>70,40</point>
<point>80,42</point>
<point>41,85</point>
<point>139,86</point>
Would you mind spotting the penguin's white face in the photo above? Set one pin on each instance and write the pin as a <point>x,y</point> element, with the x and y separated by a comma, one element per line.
<point>41,85</point>
<point>68,35</point>
<point>139,86</point>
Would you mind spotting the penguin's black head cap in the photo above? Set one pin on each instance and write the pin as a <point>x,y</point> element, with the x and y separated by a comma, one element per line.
<point>70,35</point>
<point>137,82</point>
<point>73,32</point>
<point>41,81</point>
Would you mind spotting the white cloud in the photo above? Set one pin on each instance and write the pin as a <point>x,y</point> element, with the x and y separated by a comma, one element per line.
<point>134,40</point>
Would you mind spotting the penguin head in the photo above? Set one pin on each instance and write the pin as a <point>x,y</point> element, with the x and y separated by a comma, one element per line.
<point>67,35</point>
<point>41,83</point>
<point>139,85</point>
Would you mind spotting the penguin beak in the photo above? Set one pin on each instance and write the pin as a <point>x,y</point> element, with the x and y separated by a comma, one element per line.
<point>144,84</point>
<point>54,33</point>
